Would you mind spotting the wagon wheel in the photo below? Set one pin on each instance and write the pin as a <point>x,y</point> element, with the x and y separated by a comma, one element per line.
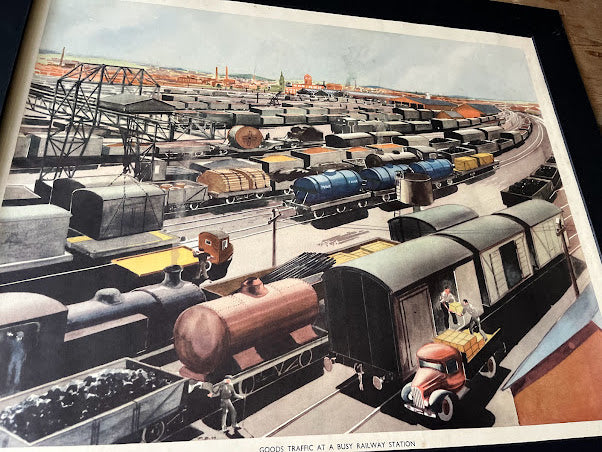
<point>386,197</point>
<point>153,433</point>
<point>230,200</point>
<point>258,195</point>
<point>318,214</point>
<point>341,209</point>
<point>437,184</point>
<point>363,203</point>
<point>288,191</point>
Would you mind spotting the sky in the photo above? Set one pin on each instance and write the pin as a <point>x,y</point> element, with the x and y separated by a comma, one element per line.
<point>201,40</point>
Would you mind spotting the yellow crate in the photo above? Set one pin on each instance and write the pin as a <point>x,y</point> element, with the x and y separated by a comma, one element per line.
<point>456,307</point>
<point>473,339</point>
<point>484,158</point>
<point>360,253</point>
<point>341,258</point>
<point>465,163</point>
<point>376,246</point>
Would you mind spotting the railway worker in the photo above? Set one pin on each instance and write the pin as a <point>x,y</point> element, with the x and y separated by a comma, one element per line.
<point>203,258</point>
<point>225,390</point>
<point>445,299</point>
<point>475,320</point>
<point>17,357</point>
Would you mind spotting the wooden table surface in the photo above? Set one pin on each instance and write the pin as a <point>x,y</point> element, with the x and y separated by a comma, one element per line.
<point>582,21</point>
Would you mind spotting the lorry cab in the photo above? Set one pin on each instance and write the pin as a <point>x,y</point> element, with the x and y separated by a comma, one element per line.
<point>439,367</point>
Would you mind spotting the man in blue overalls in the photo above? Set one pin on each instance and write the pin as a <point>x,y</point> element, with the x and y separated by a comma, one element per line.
<point>226,393</point>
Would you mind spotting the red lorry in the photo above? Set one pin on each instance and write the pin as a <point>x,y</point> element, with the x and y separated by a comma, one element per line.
<point>444,367</point>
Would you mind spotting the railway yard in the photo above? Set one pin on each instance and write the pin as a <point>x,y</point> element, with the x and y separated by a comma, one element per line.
<point>282,190</point>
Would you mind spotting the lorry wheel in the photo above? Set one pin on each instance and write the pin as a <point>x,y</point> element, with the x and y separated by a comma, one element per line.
<point>405,393</point>
<point>446,410</point>
<point>489,368</point>
<point>153,432</point>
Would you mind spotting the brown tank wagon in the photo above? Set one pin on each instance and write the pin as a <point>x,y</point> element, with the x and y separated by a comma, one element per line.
<point>207,335</point>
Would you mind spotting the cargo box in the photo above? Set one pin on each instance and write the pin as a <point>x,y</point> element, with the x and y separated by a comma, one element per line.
<point>465,163</point>
<point>483,158</point>
<point>32,232</point>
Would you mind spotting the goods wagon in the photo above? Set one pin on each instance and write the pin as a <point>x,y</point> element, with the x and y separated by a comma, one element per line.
<point>441,124</point>
<point>327,186</point>
<point>526,189</point>
<point>115,211</point>
<point>379,317</point>
<point>393,158</point>
<point>235,183</point>
<point>97,406</point>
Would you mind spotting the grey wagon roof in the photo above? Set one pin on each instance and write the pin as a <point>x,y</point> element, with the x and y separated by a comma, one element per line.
<point>401,266</point>
<point>484,232</point>
<point>531,212</point>
<point>442,217</point>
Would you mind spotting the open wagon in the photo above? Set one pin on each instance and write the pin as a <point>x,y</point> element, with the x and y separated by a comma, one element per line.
<point>147,414</point>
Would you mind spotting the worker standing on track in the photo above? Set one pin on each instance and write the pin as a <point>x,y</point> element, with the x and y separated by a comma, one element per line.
<point>225,390</point>
<point>203,258</point>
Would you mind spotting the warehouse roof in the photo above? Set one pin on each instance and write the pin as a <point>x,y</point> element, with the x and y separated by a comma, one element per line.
<point>441,217</point>
<point>484,232</point>
<point>134,103</point>
<point>577,316</point>
<point>486,109</point>
<point>453,114</point>
<point>398,267</point>
<point>425,101</point>
<point>531,212</point>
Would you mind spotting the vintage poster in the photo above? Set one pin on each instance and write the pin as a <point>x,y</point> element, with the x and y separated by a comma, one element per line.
<point>229,226</point>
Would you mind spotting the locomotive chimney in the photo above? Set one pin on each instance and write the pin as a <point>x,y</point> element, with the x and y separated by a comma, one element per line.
<point>172,276</point>
<point>253,287</point>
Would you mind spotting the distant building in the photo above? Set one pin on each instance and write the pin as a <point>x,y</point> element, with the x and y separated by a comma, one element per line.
<point>448,114</point>
<point>560,380</point>
<point>307,84</point>
<point>472,110</point>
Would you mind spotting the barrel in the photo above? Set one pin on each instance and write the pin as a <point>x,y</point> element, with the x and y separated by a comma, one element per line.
<point>327,186</point>
<point>436,169</point>
<point>394,158</point>
<point>244,137</point>
<point>383,177</point>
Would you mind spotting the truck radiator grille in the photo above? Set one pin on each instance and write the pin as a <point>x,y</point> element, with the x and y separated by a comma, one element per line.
<point>417,398</point>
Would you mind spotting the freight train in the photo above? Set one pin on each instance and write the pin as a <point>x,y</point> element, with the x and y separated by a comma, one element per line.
<point>382,308</point>
<point>509,264</point>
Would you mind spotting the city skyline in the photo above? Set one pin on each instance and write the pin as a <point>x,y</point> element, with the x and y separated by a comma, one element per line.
<point>166,36</point>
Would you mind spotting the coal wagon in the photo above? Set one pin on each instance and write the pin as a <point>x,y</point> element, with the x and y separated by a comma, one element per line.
<point>146,415</point>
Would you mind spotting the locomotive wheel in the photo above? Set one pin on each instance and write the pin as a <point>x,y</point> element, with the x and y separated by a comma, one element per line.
<point>305,358</point>
<point>153,433</point>
<point>246,386</point>
<point>258,195</point>
<point>446,411</point>
<point>341,209</point>
<point>318,214</point>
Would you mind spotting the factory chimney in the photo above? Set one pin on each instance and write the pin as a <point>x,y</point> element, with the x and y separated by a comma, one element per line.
<point>62,57</point>
<point>226,72</point>
<point>216,73</point>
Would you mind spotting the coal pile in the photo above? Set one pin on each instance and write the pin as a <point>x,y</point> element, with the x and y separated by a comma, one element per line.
<point>545,171</point>
<point>63,406</point>
<point>527,187</point>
